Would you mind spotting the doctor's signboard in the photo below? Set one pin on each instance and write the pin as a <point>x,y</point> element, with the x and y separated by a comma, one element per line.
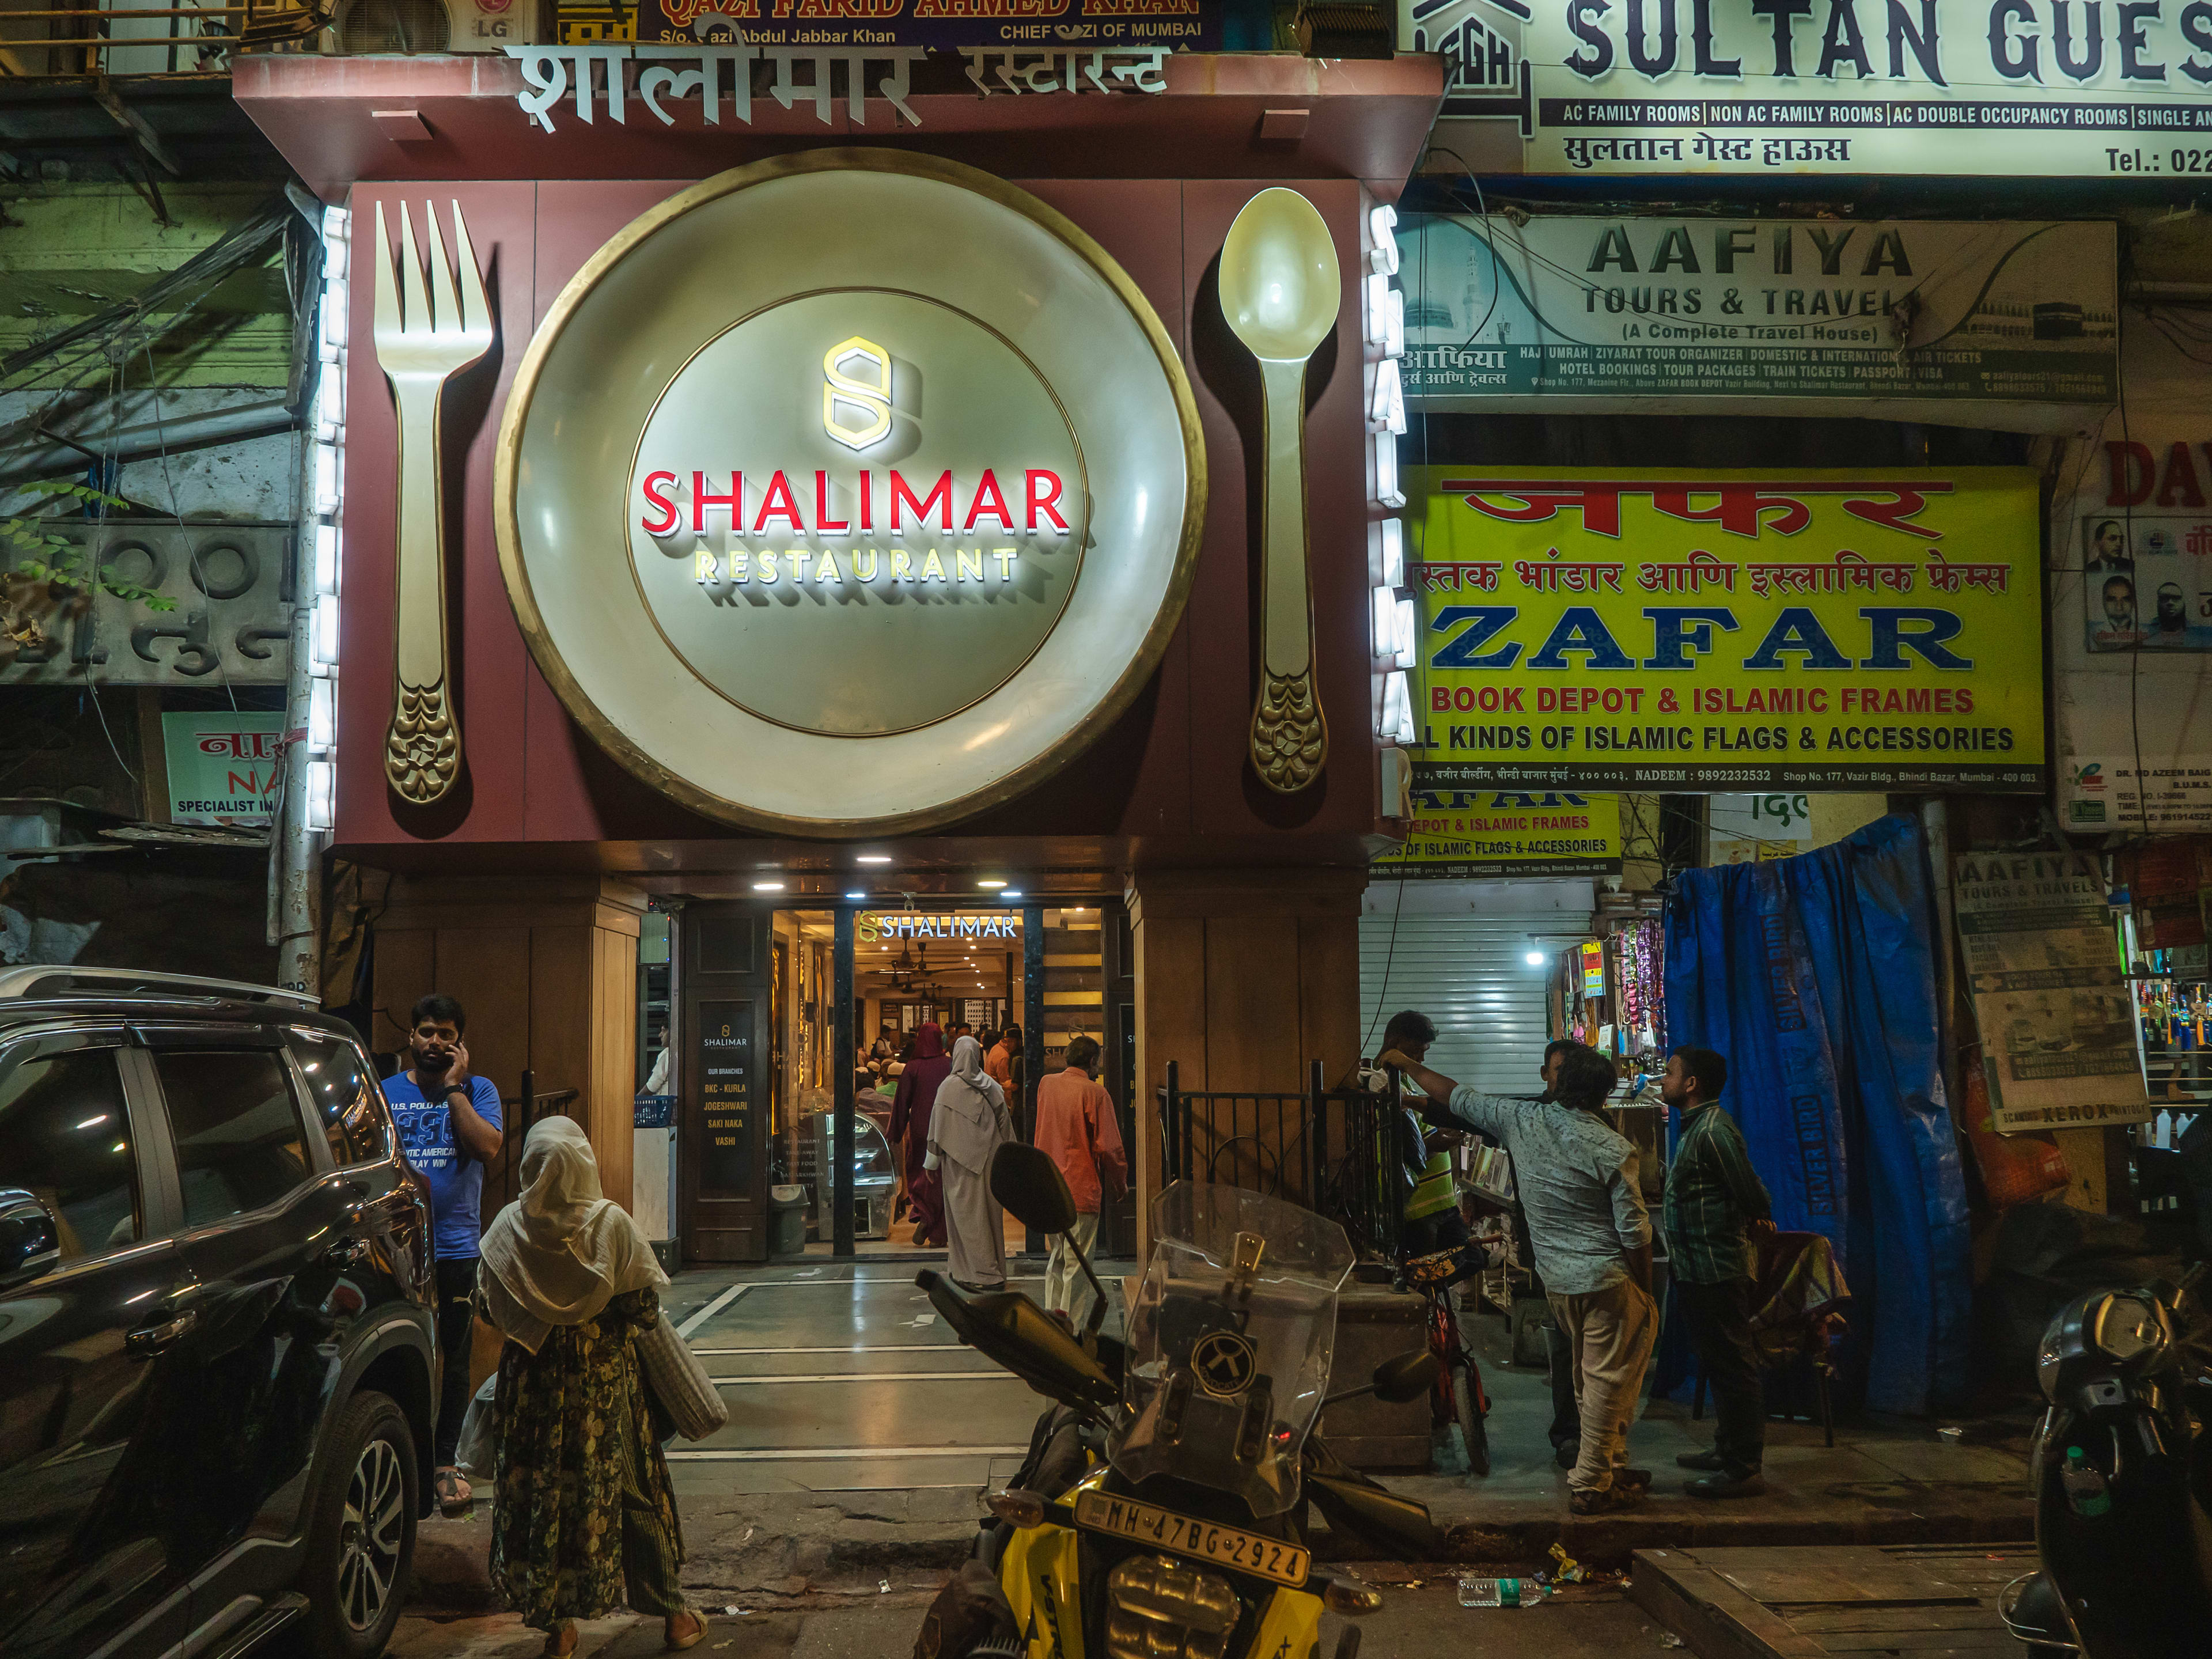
<point>1878,628</point>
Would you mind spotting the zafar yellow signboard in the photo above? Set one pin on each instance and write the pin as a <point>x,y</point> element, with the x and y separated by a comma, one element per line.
<point>1877,628</point>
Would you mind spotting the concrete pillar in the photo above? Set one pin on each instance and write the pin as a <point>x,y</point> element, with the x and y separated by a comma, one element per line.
<point>546,968</point>
<point>1243,977</point>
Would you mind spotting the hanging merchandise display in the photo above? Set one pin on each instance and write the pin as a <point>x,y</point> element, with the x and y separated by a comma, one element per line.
<point>2058,1043</point>
<point>2160,887</point>
<point>1640,961</point>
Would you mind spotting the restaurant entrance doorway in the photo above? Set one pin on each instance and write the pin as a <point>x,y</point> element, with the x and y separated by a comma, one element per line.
<point>795,1024</point>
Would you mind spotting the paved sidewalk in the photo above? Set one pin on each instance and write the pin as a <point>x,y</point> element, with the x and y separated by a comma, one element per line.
<point>1884,1482</point>
<point>863,1439</point>
<point>1415,1620</point>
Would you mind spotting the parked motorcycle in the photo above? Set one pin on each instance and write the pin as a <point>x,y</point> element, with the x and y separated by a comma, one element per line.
<point>2122,1484</point>
<point>1160,1510</point>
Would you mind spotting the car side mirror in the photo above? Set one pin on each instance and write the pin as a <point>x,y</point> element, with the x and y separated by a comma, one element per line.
<point>1406,1378</point>
<point>30,1239</point>
<point>1028,1185</point>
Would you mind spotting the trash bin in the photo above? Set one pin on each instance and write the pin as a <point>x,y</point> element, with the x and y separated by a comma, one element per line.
<point>787,1220</point>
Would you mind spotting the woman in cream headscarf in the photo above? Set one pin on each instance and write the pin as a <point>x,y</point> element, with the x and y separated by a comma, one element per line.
<point>967,1123</point>
<point>583,1519</point>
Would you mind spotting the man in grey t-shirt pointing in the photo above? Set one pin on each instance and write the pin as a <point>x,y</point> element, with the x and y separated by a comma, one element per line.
<point>1576,1179</point>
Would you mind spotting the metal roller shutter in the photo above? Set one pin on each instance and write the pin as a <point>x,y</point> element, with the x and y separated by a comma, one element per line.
<point>1470,975</point>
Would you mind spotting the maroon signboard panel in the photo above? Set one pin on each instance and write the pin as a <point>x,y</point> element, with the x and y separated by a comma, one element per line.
<point>1172,767</point>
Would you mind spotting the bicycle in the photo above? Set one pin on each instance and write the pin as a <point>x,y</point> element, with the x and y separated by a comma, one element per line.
<point>1458,1397</point>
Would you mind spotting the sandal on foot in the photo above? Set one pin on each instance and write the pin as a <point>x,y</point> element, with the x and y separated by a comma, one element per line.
<point>680,1636</point>
<point>562,1642</point>
<point>454,1493</point>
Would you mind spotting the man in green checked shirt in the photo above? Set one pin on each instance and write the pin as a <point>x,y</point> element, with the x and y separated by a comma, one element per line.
<point>1715,1203</point>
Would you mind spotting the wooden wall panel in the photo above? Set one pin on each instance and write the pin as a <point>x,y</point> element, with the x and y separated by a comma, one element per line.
<point>614,1060</point>
<point>406,968</point>
<point>487,970</point>
<point>1252,1003</point>
<point>547,969</point>
<point>1170,974</point>
<point>1331,1022</point>
<point>561,1009</point>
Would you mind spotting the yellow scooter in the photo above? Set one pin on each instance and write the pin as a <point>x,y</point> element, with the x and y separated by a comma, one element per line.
<point>1160,1513</point>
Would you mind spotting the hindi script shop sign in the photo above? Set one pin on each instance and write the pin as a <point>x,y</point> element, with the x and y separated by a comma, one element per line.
<point>1875,629</point>
<point>2045,88</point>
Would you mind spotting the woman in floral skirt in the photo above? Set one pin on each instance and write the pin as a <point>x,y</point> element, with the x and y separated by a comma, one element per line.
<point>583,1520</point>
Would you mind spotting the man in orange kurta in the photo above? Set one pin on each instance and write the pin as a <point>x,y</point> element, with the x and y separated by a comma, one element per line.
<point>1077,1126</point>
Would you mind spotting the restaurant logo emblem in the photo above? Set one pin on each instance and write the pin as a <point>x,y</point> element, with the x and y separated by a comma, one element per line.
<point>872,401</point>
<point>838,557</point>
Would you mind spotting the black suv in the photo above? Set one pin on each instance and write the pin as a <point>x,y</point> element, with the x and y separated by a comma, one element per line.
<point>216,1323</point>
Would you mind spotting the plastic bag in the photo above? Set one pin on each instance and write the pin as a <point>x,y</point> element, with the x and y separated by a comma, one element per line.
<point>480,1431</point>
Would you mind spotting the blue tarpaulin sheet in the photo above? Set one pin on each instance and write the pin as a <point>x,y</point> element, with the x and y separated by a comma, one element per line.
<point>1814,977</point>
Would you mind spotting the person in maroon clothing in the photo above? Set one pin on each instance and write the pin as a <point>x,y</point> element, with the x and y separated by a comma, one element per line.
<point>911,1107</point>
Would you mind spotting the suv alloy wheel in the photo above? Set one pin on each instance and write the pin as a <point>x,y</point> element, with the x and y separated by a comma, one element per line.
<point>361,1544</point>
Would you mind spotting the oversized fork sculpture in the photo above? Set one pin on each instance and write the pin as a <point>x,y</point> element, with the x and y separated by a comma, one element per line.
<point>421,344</point>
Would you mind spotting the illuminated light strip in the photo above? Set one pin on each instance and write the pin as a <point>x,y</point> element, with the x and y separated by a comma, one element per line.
<point>327,564</point>
<point>840,1454</point>
<point>994,1374</point>
<point>1396,627</point>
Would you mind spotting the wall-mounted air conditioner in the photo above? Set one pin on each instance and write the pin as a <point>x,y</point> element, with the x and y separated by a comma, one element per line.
<point>419,26</point>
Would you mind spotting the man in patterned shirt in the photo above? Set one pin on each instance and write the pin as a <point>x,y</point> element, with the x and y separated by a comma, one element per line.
<point>1715,1202</point>
<point>1576,1180</point>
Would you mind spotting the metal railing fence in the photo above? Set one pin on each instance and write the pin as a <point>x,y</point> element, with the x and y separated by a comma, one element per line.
<point>1329,1150</point>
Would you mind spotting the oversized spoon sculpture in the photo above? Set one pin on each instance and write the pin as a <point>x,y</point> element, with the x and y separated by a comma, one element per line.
<point>1281,291</point>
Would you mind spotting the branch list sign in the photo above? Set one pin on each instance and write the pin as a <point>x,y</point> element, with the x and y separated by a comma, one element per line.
<point>725,1043</point>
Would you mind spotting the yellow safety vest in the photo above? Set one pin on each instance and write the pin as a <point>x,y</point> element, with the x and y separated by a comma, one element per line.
<point>1434,1191</point>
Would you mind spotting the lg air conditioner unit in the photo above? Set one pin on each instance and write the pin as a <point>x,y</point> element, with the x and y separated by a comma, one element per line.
<point>420,27</point>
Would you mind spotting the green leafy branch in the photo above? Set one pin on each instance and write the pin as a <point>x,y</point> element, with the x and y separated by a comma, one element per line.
<point>40,556</point>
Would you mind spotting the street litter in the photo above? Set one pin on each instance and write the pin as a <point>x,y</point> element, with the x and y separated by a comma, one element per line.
<point>1571,1571</point>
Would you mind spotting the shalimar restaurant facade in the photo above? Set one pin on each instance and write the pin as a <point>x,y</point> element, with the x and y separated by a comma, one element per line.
<point>863,518</point>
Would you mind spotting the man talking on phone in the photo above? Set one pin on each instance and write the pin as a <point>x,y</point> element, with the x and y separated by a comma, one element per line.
<point>449,1125</point>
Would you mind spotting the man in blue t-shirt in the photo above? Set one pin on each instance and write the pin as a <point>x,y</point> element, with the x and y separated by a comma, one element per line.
<point>449,1126</point>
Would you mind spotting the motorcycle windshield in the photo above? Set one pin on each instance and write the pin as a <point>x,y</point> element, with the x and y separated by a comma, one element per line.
<point>1230,1342</point>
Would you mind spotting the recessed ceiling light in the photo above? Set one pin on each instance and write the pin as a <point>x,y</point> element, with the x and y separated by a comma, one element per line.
<point>1011,892</point>
<point>856,895</point>
<point>987,882</point>
<point>872,857</point>
<point>767,887</point>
